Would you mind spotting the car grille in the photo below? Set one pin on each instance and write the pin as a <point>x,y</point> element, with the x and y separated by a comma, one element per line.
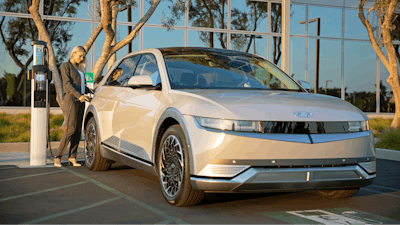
<point>282,127</point>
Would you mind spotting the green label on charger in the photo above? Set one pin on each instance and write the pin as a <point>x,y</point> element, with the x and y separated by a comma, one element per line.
<point>89,77</point>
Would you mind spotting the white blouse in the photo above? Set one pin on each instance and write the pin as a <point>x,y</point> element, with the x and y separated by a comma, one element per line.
<point>82,82</point>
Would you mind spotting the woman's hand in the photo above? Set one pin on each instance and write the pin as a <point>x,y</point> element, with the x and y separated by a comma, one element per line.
<point>83,98</point>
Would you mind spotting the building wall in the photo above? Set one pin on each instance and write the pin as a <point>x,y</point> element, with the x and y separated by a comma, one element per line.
<point>348,65</point>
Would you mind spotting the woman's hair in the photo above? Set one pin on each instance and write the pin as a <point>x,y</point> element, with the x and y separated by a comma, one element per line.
<point>82,65</point>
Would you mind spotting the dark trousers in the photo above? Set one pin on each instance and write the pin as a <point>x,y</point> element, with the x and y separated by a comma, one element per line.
<point>74,117</point>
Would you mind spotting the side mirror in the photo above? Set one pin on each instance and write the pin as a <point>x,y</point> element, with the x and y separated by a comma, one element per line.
<point>142,81</point>
<point>305,85</point>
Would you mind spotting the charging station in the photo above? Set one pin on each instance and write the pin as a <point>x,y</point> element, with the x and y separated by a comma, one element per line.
<point>40,77</point>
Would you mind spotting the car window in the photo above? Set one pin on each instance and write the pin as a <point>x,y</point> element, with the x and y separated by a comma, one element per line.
<point>123,72</point>
<point>148,66</point>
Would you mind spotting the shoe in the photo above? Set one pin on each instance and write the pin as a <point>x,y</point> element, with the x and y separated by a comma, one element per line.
<point>57,162</point>
<point>73,161</point>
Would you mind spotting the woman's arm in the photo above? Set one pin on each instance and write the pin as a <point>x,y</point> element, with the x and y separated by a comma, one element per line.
<point>66,77</point>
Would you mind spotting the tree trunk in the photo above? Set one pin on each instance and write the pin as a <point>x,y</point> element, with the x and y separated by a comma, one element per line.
<point>391,61</point>
<point>114,15</point>
<point>108,49</point>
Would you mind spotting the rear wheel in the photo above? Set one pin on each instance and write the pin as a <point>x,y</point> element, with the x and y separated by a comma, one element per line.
<point>93,159</point>
<point>173,169</point>
<point>335,194</point>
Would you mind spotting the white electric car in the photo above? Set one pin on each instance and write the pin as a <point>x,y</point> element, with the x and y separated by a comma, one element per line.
<point>211,120</point>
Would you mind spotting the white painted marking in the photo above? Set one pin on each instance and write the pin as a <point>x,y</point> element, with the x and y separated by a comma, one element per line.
<point>324,217</point>
<point>308,175</point>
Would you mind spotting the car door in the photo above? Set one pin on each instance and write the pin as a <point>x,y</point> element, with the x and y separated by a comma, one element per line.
<point>135,111</point>
<point>109,94</point>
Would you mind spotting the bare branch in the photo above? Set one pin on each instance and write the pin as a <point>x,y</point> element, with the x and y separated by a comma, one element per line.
<point>136,29</point>
<point>371,36</point>
<point>93,37</point>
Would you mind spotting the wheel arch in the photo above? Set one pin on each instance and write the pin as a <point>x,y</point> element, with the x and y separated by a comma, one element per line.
<point>92,112</point>
<point>169,117</point>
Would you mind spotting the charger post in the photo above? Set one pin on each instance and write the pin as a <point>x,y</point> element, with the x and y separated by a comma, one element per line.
<point>40,77</point>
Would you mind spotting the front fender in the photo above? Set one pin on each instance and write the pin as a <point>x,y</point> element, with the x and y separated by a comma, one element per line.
<point>178,116</point>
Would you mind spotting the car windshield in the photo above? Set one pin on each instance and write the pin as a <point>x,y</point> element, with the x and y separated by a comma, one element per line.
<point>199,69</point>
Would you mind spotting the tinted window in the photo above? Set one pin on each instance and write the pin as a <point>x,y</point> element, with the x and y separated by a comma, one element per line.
<point>123,72</point>
<point>224,70</point>
<point>148,66</point>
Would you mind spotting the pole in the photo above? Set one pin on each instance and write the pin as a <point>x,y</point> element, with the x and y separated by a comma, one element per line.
<point>318,30</point>
<point>129,28</point>
<point>316,79</point>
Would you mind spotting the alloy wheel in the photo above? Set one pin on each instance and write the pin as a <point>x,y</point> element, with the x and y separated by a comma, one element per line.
<point>90,139</point>
<point>171,165</point>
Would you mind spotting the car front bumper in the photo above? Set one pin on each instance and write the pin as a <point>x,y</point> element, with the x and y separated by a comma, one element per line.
<point>262,179</point>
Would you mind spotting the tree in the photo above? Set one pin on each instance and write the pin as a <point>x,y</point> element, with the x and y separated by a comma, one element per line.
<point>384,10</point>
<point>16,33</point>
<point>107,11</point>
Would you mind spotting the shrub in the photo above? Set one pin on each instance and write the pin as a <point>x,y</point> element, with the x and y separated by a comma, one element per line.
<point>390,140</point>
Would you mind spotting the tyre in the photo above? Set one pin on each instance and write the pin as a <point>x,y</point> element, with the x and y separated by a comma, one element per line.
<point>93,159</point>
<point>336,194</point>
<point>173,169</point>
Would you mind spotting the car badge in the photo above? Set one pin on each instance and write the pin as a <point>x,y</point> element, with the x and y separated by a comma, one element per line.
<point>303,114</point>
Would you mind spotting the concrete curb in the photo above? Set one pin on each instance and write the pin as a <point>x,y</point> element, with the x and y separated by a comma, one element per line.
<point>387,154</point>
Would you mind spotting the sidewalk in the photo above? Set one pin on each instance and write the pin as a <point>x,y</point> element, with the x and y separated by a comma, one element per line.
<point>18,154</point>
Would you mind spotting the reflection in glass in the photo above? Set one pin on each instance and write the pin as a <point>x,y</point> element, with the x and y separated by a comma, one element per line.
<point>164,9</point>
<point>297,60</point>
<point>13,6</point>
<point>122,32</point>
<point>255,44</point>
<point>359,75</point>
<point>276,51</point>
<point>17,33</point>
<point>212,69</point>
<point>211,14</point>
<point>329,67</point>
<point>160,37</point>
<point>207,39</point>
<point>131,12</point>
<point>276,18</point>
<point>297,14</point>
<point>249,15</point>
<point>330,21</point>
<point>68,8</point>
<point>353,27</point>
<point>386,93</point>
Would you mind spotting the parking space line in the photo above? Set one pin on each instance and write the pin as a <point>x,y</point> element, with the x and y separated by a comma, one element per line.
<point>10,167</point>
<point>393,189</point>
<point>379,192</point>
<point>127,197</point>
<point>164,222</point>
<point>43,191</point>
<point>39,220</point>
<point>33,175</point>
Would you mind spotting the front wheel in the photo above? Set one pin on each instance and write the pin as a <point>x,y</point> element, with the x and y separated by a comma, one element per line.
<point>173,169</point>
<point>93,159</point>
<point>336,194</point>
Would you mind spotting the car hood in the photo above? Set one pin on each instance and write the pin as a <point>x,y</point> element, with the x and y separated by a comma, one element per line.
<point>263,105</point>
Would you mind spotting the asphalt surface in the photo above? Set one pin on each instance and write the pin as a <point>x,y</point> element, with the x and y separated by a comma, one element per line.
<point>122,194</point>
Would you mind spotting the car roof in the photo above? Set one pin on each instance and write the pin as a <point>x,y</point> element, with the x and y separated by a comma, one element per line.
<point>201,50</point>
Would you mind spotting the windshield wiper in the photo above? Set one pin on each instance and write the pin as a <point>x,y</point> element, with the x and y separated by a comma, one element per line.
<point>282,89</point>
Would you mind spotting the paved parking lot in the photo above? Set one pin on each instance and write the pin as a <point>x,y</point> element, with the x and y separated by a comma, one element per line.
<point>125,195</point>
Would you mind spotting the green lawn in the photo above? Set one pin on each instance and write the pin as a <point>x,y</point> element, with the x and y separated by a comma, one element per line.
<point>17,128</point>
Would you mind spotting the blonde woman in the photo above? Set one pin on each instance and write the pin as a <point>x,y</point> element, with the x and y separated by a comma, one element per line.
<point>74,85</point>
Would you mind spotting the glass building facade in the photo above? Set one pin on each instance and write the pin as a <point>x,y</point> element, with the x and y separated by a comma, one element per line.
<point>327,40</point>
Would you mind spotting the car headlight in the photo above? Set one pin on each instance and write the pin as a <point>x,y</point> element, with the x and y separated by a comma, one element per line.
<point>357,126</point>
<point>293,127</point>
<point>232,125</point>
